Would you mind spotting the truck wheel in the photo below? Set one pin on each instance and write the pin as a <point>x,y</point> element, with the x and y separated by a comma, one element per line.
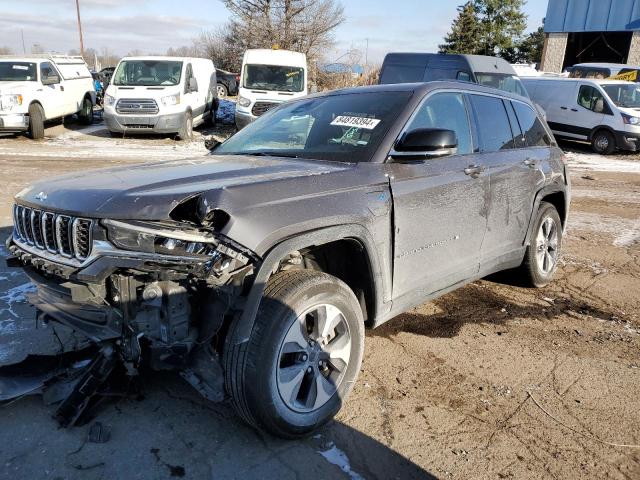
<point>223,92</point>
<point>542,254</point>
<point>86,112</point>
<point>36,121</point>
<point>186,131</point>
<point>603,142</point>
<point>303,355</point>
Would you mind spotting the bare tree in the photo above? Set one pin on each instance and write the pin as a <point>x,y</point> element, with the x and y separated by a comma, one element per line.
<point>221,46</point>
<point>6,51</point>
<point>37,49</point>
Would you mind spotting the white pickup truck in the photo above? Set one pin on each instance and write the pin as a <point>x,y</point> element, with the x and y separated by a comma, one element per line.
<point>34,89</point>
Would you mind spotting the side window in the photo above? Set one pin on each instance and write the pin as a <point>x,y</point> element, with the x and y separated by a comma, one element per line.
<point>187,77</point>
<point>534,133</point>
<point>464,76</point>
<point>446,110</point>
<point>46,70</point>
<point>492,122</point>
<point>591,99</point>
<point>518,136</point>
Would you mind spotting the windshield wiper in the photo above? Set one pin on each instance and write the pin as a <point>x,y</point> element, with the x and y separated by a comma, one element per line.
<point>270,154</point>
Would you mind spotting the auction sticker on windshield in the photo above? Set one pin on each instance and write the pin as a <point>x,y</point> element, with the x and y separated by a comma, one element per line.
<point>359,122</point>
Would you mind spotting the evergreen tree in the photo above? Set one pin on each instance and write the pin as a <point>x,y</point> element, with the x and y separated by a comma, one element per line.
<point>530,48</point>
<point>465,34</point>
<point>503,24</point>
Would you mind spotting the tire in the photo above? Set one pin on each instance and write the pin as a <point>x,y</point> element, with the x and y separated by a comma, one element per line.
<point>257,372</point>
<point>186,131</point>
<point>535,271</point>
<point>603,142</point>
<point>116,134</point>
<point>85,115</point>
<point>223,91</point>
<point>36,121</point>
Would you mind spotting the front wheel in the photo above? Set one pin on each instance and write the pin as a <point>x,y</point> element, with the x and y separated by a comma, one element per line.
<point>303,355</point>
<point>36,121</point>
<point>603,142</point>
<point>543,253</point>
<point>186,131</point>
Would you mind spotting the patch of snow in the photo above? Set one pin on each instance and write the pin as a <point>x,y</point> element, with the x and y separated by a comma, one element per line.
<point>226,112</point>
<point>601,163</point>
<point>337,457</point>
<point>12,296</point>
<point>625,232</point>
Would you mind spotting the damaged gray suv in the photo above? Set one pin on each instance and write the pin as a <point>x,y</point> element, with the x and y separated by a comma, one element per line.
<point>254,271</point>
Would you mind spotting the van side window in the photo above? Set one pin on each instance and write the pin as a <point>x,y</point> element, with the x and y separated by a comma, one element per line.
<point>445,110</point>
<point>534,133</point>
<point>187,77</point>
<point>591,99</point>
<point>464,76</point>
<point>402,74</point>
<point>492,123</point>
<point>46,70</point>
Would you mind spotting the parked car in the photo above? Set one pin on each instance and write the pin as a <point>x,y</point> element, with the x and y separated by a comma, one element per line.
<point>598,70</point>
<point>603,112</point>
<point>105,75</point>
<point>35,89</point>
<point>425,67</point>
<point>268,78</point>
<point>161,95</point>
<point>227,83</point>
<point>255,272</point>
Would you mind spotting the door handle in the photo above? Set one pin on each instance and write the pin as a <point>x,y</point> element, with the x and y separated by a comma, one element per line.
<point>474,170</point>
<point>531,163</point>
<point>62,88</point>
<point>574,109</point>
<point>563,108</point>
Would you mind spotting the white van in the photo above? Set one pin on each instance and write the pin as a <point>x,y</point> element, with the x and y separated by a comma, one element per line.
<point>603,112</point>
<point>268,78</point>
<point>34,89</point>
<point>161,95</point>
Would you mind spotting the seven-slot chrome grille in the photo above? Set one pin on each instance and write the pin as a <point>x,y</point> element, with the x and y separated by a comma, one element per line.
<point>137,106</point>
<point>51,232</point>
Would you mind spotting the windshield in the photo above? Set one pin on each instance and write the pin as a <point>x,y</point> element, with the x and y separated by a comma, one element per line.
<point>17,72</point>
<point>502,81</point>
<point>624,95</point>
<point>274,77</point>
<point>148,73</point>
<point>344,128</point>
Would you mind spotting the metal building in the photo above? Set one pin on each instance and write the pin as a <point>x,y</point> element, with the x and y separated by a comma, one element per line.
<point>578,31</point>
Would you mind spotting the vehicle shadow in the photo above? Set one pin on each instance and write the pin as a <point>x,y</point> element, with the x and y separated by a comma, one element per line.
<point>480,305</point>
<point>166,429</point>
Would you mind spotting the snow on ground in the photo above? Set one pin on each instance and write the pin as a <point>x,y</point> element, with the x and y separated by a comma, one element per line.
<point>337,457</point>
<point>625,231</point>
<point>601,163</point>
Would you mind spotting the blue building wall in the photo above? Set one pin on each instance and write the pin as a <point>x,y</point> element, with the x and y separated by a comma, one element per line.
<point>592,16</point>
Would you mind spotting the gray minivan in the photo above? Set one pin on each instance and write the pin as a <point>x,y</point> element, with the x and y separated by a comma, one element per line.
<point>425,67</point>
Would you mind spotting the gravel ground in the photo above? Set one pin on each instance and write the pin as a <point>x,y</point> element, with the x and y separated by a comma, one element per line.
<point>490,381</point>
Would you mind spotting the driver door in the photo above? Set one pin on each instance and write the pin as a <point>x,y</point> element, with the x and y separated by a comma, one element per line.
<point>440,205</point>
<point>53,95</point>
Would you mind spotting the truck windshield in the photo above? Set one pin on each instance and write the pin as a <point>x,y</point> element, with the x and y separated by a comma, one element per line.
<point>148,73</point>
<point>343,128</point>
<point>274,77</point>
<point>18,72</point>
<point>624,95</point>
<point>502,81</point>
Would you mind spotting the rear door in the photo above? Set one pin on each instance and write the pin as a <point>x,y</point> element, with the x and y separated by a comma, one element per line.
<point>440,211</point>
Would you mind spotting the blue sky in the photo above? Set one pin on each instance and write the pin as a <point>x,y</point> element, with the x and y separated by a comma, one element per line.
<point>155,25</point>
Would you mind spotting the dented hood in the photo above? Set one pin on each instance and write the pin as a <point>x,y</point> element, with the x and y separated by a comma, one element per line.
<point>150,191</point>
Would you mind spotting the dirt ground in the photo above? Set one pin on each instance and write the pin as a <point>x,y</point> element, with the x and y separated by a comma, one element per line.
<point>490,381</point>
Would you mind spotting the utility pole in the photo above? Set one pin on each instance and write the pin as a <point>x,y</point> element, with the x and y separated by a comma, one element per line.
<point>80,28</point>
<point>24,50</point>
<point>366,54</point>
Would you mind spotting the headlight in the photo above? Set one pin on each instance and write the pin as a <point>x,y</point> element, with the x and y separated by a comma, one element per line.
<point>7,102</point>
<point>109,100</point>
<point>244,102</point>
<point>629,120</point>
<point>171,99</point>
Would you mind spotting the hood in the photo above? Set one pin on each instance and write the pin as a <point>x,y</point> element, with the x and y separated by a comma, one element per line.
<point>150,191</point>
<point>13,87</point>
<point>634,112</point>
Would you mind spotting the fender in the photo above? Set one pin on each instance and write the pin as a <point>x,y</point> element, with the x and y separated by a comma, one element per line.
<point>317,237</point>
<point>543,192</point>
<point>601,127</point>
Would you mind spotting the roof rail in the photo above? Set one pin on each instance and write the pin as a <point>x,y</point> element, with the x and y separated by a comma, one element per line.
<point>54,57</point>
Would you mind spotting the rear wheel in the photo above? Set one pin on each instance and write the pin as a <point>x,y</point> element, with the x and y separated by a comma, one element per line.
<point>603,142</point>
<point>542,254</point>
<point>303,355</point>
<point>86,112</point>
<point>186,131</point>
<point>223,92</point>
<point>36,121</point>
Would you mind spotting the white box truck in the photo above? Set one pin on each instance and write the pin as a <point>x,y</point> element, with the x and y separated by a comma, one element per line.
<point>34,89</point>
<point>267,79</point>
<point>161,95</point>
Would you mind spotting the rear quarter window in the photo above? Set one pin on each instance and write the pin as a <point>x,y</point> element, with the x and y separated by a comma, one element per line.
<point>534,133</point>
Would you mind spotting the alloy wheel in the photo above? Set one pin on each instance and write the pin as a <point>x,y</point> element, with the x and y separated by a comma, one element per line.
<point>547,245</point>
<point>313,358</point>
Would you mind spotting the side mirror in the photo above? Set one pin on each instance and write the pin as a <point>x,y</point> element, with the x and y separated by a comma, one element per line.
<point>425,143</point>
<point>51,79</point>
<point>193,85</point>
<point>211,144</point>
